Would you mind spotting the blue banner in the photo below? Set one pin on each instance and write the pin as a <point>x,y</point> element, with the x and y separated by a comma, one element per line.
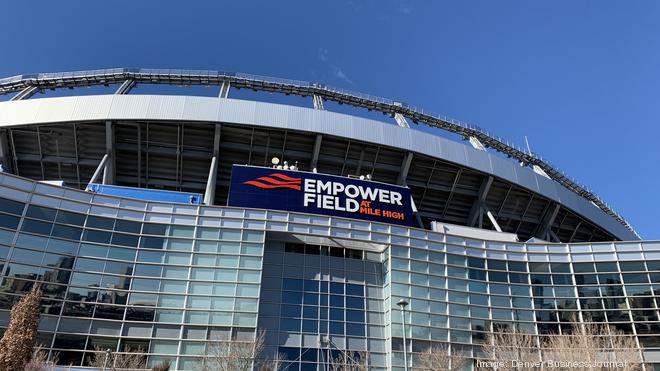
<point>299,191</point>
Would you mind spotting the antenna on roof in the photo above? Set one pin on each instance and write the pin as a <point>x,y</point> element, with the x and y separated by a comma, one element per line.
<point>529,150</point>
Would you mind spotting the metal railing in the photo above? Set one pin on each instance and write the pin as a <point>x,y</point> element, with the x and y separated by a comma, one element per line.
<point>304,89</point>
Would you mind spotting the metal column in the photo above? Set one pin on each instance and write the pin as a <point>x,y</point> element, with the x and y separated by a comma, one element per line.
<point>209,193</point>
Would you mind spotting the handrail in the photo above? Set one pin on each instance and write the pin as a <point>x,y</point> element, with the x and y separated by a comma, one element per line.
<point>304,89</point>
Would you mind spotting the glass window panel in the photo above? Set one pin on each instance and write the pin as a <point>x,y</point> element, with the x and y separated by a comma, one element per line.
<point>230,234</point>
<point>143,284</point>
<point>149,242</point>
<point>173,301</point>
<point>246,305</point>
<point>253,236</point>
<point>40,212</point>
<point>251,249</point>
<point>208,233</point>
<point>227,289</point>
<point>456,260</point>
<point>97,236</point>
<point>201,288</point>
<point>154,229</point>
<point>12,207</point>
<point>177,258</point>
<point>227,261</point>
<point>177,244</point>
<point>250,262</point>
<point>206,246</point>
<point>128,226</point>
<point>221,303</point>
<point>606,267</point>
<point>148,270</point>
<point>635,278</point>
<point>150,256</point>
<point>121,254</point>
<point>118,268</point>
<point>35,226</point>
<point>249,276</point>
<point>100,222</point>
<point>583,267</point>
<point>539,267</point>
<point>170,286</point>
<point>459,310</point>
<point>517,266</point>
<point>123,239</point>
<point>586,279</point>
<point>175,272</point>
<point>229,248</point>
<point>61,246</point>
<point>181,231</point>
<point>93,250</point>
<point>204,259</point>
<point>225,274</point>
<point>9,221</point>
<point>202,274</point>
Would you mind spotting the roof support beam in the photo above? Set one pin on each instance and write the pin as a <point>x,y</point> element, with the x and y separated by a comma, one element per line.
<point>99,170</point>
<point>478,203</point>
<point>405,168</point>
<point>401,120</point>
<point>125,87</point>
<point>109,171</point>
<point>209,193</point>
<point>476,143</point>
<point>4,152</point>
<point>479,208</point>
<point>318,102</point>
<point>224,89</point>
<point>315,154</point>
<point>25,93</point>
<point>547,222</point>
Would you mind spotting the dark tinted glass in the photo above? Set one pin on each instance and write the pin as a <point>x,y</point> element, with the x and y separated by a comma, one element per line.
<point>39,212</point>
<point>68,217</point>
<point>36,226</point>
<point>155,229</point>
<point>100,222</point>
<point>8,221</point>
<point>65,231</point>
<point>97,236</point>
<point>12,207</point>
<point>128,226</point>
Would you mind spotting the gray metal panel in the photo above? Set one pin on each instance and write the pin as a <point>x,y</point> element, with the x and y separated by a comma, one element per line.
<point>504,169</point>
<point>82,108</point>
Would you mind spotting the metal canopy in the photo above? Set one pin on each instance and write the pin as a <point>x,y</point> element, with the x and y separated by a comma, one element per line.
<point>319,92</point>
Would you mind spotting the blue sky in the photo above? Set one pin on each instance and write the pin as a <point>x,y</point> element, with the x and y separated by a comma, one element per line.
<point>580,79</point>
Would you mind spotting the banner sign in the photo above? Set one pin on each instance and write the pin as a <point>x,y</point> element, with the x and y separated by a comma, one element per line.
<point>299,191</point>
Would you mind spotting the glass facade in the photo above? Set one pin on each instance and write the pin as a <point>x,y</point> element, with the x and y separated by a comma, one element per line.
<point>170,278</point>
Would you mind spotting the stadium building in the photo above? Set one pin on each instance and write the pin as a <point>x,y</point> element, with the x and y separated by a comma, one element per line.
<point>166,222</point>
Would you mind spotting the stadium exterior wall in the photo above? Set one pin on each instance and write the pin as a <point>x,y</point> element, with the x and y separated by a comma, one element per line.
<point>168,277</point>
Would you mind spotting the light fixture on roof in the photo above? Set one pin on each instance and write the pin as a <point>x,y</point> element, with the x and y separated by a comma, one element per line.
<point>275,161</point>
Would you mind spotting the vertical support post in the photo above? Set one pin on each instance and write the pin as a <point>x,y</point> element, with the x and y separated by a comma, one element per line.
<point>405,167</point>
<point>317,150</point>
<point>209,193</point>
<point>477,207</point>
<point>109,171</point>
<point>546,223</point>
<point>4,152</point>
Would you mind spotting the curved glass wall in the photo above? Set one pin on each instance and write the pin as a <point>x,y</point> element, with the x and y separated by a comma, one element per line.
<point>125,274</point>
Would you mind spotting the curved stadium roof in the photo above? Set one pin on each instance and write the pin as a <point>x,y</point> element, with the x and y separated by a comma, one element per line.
<point>173,137</point>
